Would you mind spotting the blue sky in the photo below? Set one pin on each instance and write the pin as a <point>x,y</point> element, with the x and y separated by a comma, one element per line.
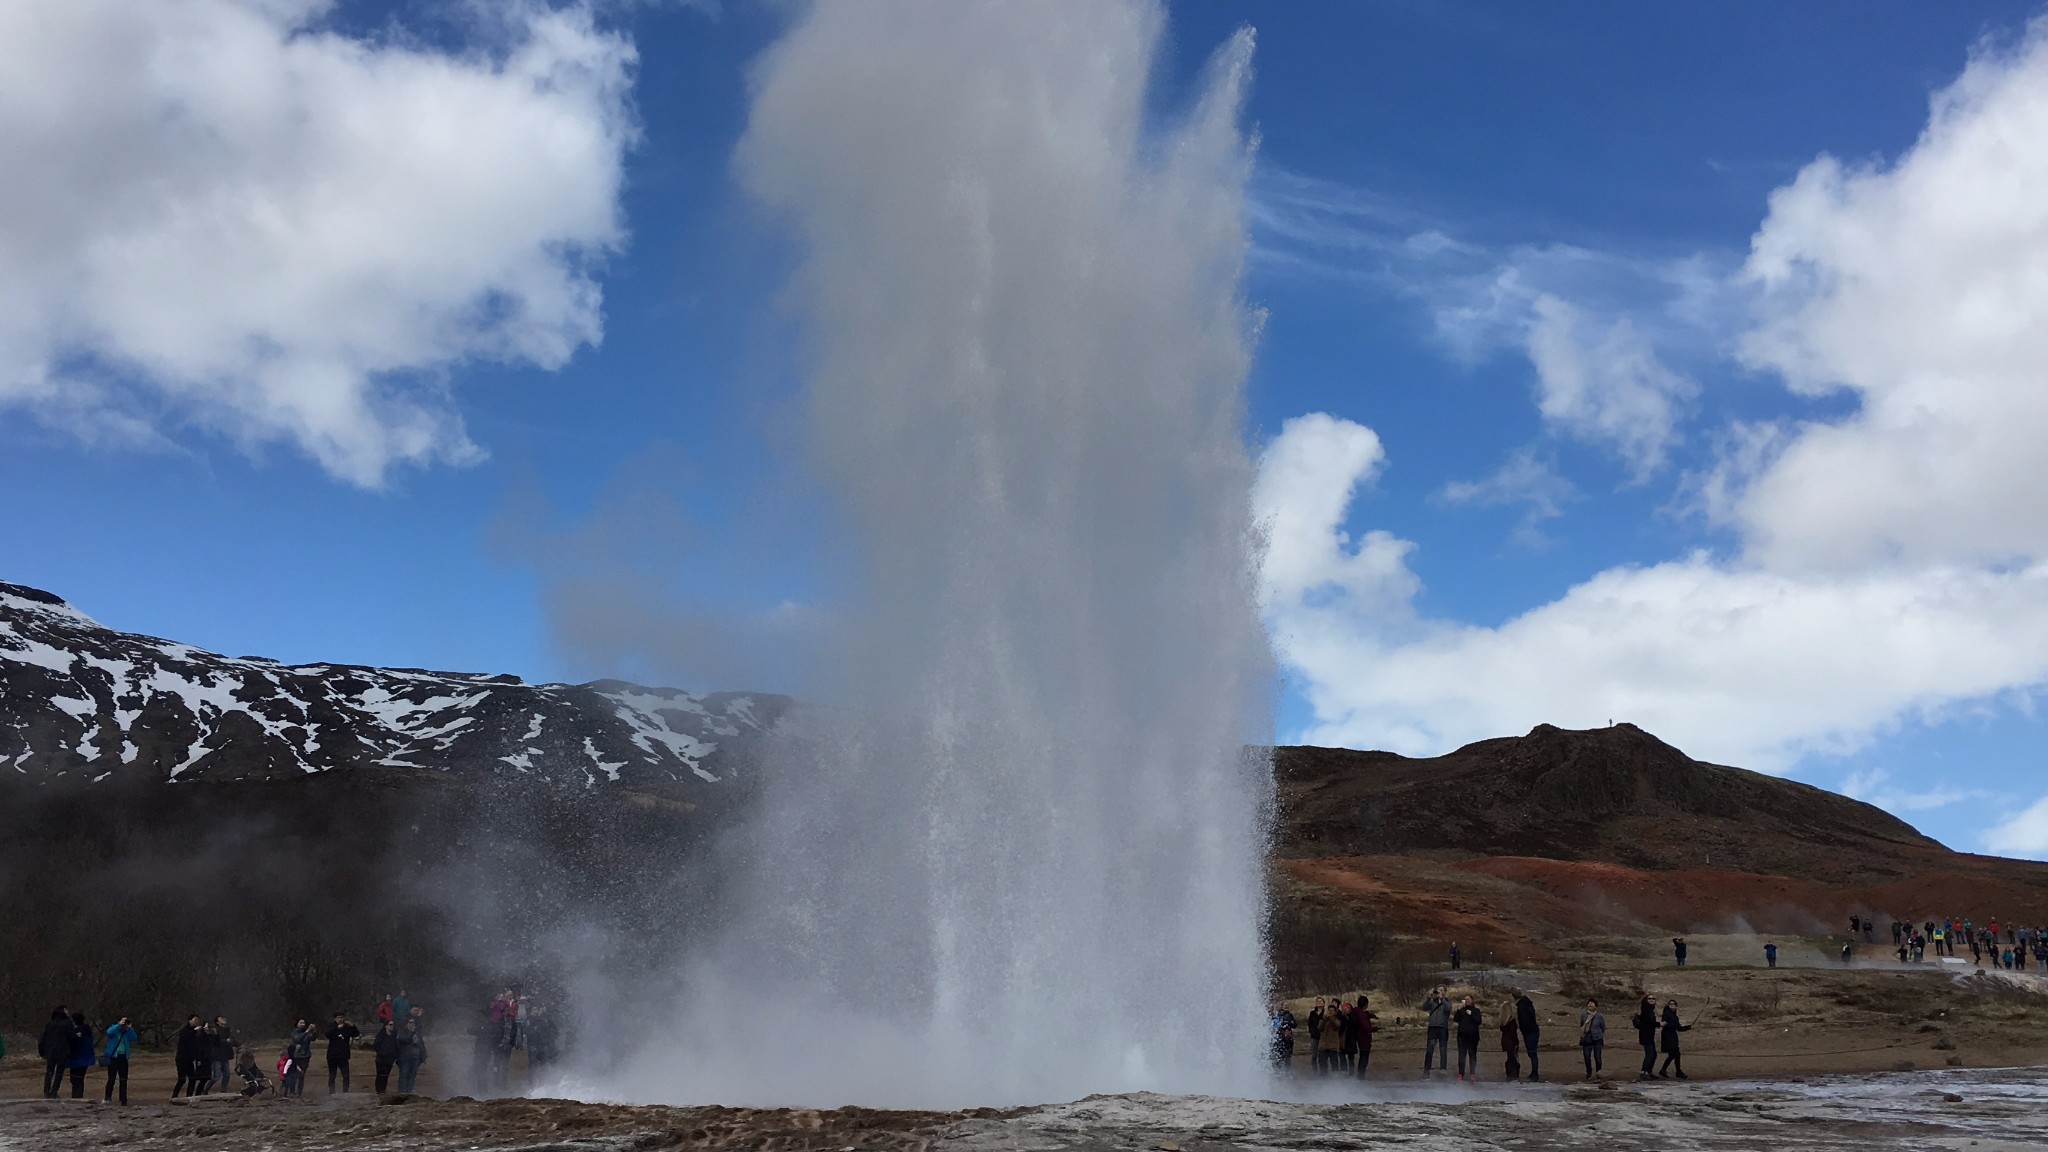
<point>1457,212</point>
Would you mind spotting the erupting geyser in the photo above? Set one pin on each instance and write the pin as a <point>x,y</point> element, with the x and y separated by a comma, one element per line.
<point>1020,856</point>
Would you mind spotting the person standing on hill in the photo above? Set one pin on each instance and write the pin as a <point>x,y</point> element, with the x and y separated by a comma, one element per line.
<point>339,1035</point>
<point>1437,1034</point>
<point>1645,1021</point>
<point>54,1046</point>
<point>191,1051</point>
<point>1678,949</point>
<point>1368,1023</point>
<point>1511,1041</point>
<point>1592,1038</point>
<point>1671,1029</point>
<point>1456,958</point>
<point>1771,955</point>
<point>1467,1021</point>
<point>121,1040</point>
<point>1532,1031</point>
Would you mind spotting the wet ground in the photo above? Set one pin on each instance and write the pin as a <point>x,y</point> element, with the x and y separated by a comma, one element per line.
<point>1984,1110</point>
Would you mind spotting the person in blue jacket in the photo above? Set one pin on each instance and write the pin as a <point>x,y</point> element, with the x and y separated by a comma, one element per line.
<point>84,1054</point>
<point>121,1040</point>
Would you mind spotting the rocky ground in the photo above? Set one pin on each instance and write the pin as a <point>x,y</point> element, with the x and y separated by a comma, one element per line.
<point>1808,1055</point>
<point>1991,1111</point>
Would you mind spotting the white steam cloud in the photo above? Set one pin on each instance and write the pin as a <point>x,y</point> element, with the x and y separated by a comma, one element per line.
<point>1022,858</point>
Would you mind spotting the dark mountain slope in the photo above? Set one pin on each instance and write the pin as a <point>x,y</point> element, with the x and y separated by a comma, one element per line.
<point>1613,794</point>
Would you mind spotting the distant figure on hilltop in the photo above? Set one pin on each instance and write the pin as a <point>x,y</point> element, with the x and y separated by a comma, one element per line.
<point>1678,949</point>
<point>1456,957</point>
<point>1771,954</point>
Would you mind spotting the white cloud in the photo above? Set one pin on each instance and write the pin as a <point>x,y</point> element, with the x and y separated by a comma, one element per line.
<point>1742,666</point>
<point>1305,481</point>
<point>1893,564</point>
<point>1918,287</point>
<point>2025,834</point>
<point>218,214</point>
<point>1610,389</point>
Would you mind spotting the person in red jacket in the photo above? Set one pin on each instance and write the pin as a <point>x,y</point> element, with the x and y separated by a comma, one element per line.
<point>1367,1023</point>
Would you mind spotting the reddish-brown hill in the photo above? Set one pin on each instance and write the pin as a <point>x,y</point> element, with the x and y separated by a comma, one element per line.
<point>1504,843</point>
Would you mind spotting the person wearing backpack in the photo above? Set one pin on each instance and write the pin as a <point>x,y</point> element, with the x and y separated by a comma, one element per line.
<point>121,1040</point>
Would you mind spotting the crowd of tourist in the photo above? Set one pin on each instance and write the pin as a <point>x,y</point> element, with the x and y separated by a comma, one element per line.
<point>208,1057</point>
<point>2010,947</point>
<point>1340,1033</point>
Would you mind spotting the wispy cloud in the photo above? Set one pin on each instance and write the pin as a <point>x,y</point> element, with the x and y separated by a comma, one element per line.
<point>1524,479</point>
<point>1607,332</point>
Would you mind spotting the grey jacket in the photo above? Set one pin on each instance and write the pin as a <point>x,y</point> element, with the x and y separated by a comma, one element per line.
<point>1592,1028</point>
<point>1439,1009</point>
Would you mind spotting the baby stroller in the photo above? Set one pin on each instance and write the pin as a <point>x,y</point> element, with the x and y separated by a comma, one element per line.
<point>254,1082</point>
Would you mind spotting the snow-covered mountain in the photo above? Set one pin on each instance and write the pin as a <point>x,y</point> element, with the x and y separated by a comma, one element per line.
<point>79,701</point>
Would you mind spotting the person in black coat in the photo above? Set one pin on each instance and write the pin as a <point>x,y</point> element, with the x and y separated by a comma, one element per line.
<point>1645,1021</point>
<point>1532,1031</point>
<point>55,1048</point>
<point>192,1053</point>
<point>384,1046</point>
<point>1467,1022</point>
<point>1671,1030</point>
<point>339,1034</point>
